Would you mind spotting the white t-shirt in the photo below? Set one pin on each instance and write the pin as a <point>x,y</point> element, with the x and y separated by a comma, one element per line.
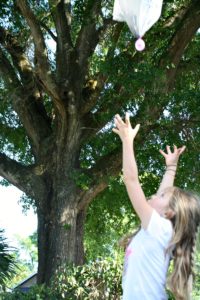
<point>146,262</point>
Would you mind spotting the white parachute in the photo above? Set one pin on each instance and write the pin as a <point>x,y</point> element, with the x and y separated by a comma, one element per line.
<point>140,15</point>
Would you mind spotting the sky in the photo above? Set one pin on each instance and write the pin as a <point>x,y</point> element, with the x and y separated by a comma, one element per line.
<point>12,220</point>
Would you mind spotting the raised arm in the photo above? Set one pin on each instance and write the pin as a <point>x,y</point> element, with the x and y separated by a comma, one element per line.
<point>130,171</point>
<point>171,161</point>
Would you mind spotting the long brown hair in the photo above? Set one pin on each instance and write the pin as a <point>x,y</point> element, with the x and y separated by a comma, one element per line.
<point>186,219</point>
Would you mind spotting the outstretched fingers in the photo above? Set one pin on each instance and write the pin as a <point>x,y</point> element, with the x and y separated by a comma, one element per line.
<point>124,128</point>
<point>119,120</point>
<point>181,150</point>
<point>175,149</point>
<point>115,130</point>
<point>127,119</point>
<point>136,129</point>
<point>168,149</point>
<point>163,153</point>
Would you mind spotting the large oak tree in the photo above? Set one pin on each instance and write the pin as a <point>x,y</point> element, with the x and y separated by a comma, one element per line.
<point>57,106</point>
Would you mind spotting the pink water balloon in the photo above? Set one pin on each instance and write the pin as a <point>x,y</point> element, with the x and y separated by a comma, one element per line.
<point>140,44</point>
<point>139,15</point>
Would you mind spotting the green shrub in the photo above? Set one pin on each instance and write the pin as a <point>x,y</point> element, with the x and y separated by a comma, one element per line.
<point>99,280</point>
<point>35,293</point>
<point>96,280</point>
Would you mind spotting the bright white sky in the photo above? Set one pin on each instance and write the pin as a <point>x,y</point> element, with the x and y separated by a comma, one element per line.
<point>11,217</point>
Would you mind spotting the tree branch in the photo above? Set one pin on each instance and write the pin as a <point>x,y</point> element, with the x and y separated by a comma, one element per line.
<point>52,35</point>
<point>106,166</point>
<point>188,26</point>
<point>62,19</point>
<point>7,72</point>
<point>11,44</point>
<point>24,178</point>
<point>42,64</point>
<point>95,86</point>
<point>89,35</point>
<point>91,92</point>
<point>28,106</point>
<point>173,20</point>
<point>87,197</point>
<point>94,122</point>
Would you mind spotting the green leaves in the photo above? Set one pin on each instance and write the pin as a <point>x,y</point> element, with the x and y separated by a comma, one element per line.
<point>100,279</point>
<point>7,261</point>
<point>109,217</point>
<point>81,179</point>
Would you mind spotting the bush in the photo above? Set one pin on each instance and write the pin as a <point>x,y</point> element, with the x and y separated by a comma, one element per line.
<point>35,293</point>
<point>96,280</point>
<point>99,280</point>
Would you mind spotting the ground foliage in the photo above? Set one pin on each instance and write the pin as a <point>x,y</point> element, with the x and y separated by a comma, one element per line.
<point>100,279</point>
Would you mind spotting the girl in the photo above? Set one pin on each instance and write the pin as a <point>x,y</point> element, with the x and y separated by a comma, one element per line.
<point>169,223</point>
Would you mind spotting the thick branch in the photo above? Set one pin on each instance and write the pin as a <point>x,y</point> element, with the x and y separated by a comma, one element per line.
<point>95,122</point>
<point>95,86</point>
<point>89,35</point>
<point>62,19</point>
<point>188,26</point>
<point>41,55</point>
<point>7,72</point>
<point>11,44</point>
<point>91,92</point>
<point>21,63</point>
<point>20,176</point>
<point>106,166</point>
<point>88,32</point>
<point>173,20</point>
<point>28,107</point>
<point>88,196</point>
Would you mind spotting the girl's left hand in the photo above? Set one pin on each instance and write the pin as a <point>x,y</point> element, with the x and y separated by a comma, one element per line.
<point>124,129</point>
<point>171,158</point>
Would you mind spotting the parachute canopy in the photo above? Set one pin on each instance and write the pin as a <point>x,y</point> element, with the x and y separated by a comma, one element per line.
<point>140,15</point>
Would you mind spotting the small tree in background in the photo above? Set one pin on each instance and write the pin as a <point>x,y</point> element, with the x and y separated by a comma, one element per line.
<point>7,261</point>
<point>28,248</point>
<point>26,259</point>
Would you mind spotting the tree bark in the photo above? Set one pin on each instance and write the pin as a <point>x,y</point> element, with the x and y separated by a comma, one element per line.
<point>60,232</point>
<point>79,245</point>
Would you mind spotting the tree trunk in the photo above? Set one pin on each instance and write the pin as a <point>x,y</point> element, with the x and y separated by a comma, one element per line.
<point>79,249</point>
<point>60,232</point>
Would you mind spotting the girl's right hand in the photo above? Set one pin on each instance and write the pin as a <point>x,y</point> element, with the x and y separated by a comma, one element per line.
<point>171,158</point>
<point>124,129</point>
